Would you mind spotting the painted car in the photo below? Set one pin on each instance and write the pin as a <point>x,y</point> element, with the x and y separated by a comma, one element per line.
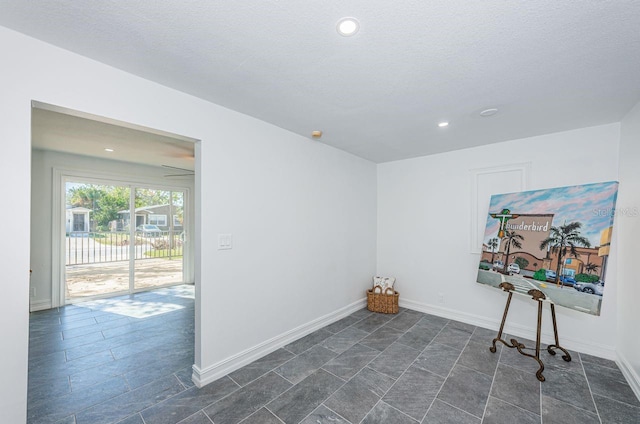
<point>515,268</point>
<point>591,288</point>
<point>567,280</point>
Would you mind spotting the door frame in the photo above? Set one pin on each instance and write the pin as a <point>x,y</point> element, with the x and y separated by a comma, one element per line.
<point>61,176</point>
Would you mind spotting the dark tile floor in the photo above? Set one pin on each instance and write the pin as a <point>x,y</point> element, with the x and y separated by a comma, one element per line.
<point>128,360</point>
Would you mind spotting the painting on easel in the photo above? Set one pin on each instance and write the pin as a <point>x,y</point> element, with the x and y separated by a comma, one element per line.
<point>554,240</point>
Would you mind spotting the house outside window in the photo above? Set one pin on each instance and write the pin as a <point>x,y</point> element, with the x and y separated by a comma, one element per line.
<point>177,221</point>
<point>159,220</point>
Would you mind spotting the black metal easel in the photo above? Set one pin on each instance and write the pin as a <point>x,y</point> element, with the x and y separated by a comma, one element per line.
<point>538,296</point>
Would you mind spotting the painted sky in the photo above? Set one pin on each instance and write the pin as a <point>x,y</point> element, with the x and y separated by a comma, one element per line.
<point>592,204</point>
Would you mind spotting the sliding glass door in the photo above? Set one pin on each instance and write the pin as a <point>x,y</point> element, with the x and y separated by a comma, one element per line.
<point>122,238</point>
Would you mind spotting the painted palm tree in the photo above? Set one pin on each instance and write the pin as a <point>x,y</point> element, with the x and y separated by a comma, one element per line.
<point>563,241</point>
<point>511,239</point>
<point>591,268</point>
<point>493,245</point>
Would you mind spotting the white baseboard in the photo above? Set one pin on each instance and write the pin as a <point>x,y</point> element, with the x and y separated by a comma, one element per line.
<point>629,373</point>
<point>40,305</point>
<point>518,330</point>
<point>206,375</point>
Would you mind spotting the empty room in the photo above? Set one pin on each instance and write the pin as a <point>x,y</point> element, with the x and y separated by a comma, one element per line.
<point>320,212</point>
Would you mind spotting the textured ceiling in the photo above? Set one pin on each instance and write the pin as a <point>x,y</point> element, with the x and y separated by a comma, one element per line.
<point>547,65</point>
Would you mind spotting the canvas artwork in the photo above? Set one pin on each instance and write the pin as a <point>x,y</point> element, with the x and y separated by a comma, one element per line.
<point>555,240</point>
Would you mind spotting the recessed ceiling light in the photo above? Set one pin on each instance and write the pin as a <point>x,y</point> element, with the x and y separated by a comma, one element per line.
<point>316,134</point>
<point>443,124</point>
<point>489,112</point>
<point>108,150</point>
<point>347,27</point>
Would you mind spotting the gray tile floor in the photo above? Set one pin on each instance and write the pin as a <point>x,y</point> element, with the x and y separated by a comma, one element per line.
<point>128,360</point>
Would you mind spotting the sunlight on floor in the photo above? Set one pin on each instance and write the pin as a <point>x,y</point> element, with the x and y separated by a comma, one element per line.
<point>132,308</point>
<point>185,291</point>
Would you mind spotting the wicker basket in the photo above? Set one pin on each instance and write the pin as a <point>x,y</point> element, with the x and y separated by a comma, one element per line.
<point>386,303</point>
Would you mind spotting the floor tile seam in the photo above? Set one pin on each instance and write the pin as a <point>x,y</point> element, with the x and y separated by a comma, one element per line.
<point>180,393</point>
<point>284,348</point>
<point>39,402</point>
<point>31,339</point>
<point>584,373</point>
<point>286,379</point>
<point>322,404</point>
<point>83,335</point>
<point>104,328</point>
<point>425,348</point>
<point>231,378</point>
<point>134,352</point>
<point>540,397</point>
<point>620,379</point>
<point>454,407</point>
<point>392,407</point>
<point>445,378</point>
<point>130,416</point>
<point>495,372</point>
<point>515,406</point>
<point>403,372</point>
<point>115,364</point>
<point>78,317</point>
<point>350,325</point>
<point>111,346</point>
<point>153,347</point>
<point>272,413</point>
<point>367,365</point>
<point>432,341</point>
<point>358,341</point>
<point>162,331</point>
<point>399,329</point>
<point>294,385</point>
<point>74,327</point>
<point>291,387</point>
<point>637,406</point>
<point>520,369</point>
<point>77,411</point>
<point>297,356</point>
<point>65,351</point>
<point>600,365</point>
<point>205,414</point>
<point>346,380</point>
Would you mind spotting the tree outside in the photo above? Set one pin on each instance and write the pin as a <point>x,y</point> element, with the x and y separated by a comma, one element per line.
<point>563,241</point>
<point>512,239</point>
<point>493,245</point>
<point>591,268</point>
<point>522,262</point>
<point>106,201</point>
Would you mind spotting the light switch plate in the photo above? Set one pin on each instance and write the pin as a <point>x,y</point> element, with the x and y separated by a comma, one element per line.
<point>225,242</point>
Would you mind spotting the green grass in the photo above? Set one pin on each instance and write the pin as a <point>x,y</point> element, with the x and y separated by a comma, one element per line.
<point>164,253</point>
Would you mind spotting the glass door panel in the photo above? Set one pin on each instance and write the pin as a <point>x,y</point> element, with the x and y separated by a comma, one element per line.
<point>96,239</point>
<point>159,235</point>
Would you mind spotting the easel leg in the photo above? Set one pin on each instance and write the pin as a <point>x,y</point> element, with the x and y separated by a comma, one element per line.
<point>539,330</point>
<point>504,319</point>
<point>550,348</point>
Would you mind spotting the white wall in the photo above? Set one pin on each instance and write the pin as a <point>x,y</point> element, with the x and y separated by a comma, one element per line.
<point>302,214</point>
<point>42,186</point>
<point>628,340</point>
<point>424,213</point>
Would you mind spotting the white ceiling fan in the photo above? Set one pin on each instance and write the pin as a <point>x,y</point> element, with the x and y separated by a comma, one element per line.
<point>187,172</point>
